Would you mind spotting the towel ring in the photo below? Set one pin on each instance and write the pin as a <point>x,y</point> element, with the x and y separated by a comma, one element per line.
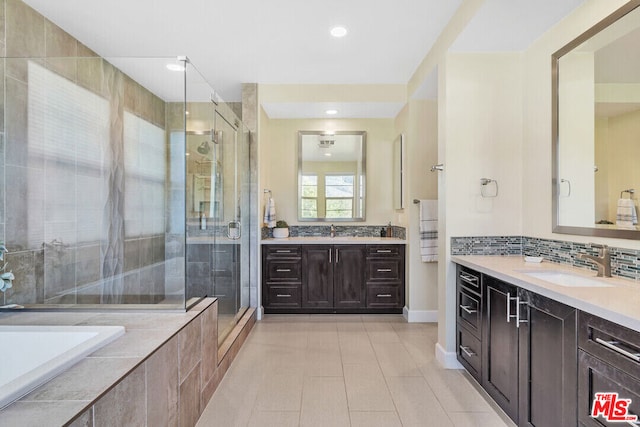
<point>630,191</point>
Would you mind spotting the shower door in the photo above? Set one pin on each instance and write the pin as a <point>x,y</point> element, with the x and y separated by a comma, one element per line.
<point>230,210</point>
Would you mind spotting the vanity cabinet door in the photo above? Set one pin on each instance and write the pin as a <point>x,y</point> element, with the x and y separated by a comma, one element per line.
<point>548,362</point>
<point>349,276</point>
<point>500,345</point>
<point>317,276</point>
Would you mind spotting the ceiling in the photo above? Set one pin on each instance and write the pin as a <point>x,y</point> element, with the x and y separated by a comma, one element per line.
<point>288,41</point>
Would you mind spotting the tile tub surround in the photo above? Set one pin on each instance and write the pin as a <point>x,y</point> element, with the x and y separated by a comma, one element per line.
<point>163,370</point>
<point>341,231</point>
<point>624,262</point>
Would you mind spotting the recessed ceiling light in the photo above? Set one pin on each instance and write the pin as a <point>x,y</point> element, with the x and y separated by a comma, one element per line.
<point>338,31</point>
<point>327,154</point>
<point>332,112</point>
<point>175,67</point>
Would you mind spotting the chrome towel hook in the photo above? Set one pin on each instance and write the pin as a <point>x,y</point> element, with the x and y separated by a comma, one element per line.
<point>439,167</point>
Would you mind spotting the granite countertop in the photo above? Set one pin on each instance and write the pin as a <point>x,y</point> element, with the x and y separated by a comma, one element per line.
<point>619,302</point>
<point>338,240</point>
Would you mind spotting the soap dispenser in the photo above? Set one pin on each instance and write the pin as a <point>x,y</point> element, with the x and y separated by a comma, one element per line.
<point>389,230</point>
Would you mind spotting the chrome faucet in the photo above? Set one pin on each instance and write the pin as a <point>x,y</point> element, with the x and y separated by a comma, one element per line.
<point>602,261</point>
<point>332,231</point>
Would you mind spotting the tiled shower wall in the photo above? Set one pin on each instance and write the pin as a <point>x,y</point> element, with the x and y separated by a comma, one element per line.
<point>624,262</point>
<point>47,198</point>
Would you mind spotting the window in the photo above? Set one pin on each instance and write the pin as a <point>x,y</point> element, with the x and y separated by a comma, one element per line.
<point>339,191</point>
<point>309,196</point>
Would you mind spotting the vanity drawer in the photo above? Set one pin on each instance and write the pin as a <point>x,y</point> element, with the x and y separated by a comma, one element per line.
<point>469,351</point>
<point>470,311</point>
<point>283,296</point>
<point>384,250</point>
<point>610,342</point>
<point>283,270</point>
<point>469,279</point>
<point>285,251</point>
<point>384,269</point>
<point>384,296</point>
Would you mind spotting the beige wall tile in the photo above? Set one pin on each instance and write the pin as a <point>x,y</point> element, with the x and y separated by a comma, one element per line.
<point>125,404</point>
<point>58,42</point>
<point>84,420</point>
<point>24,30</point>
<point>189,349</point>
<point>209,344</point>
<point>190,399</point>
<point>162,386</point>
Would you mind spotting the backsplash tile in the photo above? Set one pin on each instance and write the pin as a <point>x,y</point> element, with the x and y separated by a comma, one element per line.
<point>486,245</point>
<point>624,262</point>
<point>341,231</point>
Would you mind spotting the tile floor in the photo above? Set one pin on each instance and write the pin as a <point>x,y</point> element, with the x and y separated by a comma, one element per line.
<point>345,370</point>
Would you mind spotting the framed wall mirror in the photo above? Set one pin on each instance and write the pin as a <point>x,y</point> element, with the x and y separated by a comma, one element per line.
<point>596,129</point>
<point>331,176</point>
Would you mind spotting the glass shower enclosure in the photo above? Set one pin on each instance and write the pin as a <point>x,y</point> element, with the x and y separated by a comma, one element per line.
<point>124,184</point>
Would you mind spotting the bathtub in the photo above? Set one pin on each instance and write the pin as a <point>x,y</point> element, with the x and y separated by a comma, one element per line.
<point>32,355</point>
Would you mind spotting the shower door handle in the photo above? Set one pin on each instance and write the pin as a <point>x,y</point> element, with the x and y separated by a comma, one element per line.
<point>234,231</point>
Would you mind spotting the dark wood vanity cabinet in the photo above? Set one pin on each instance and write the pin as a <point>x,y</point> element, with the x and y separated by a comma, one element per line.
<point>333,276</point>
<point>385,276</point>
<point>500,345</point>
<point>522,349</point>
<point>334,279</point>
<point>282,277</point>
<point>469,320</point>
<point>547,372</point>
<point>609,362</point>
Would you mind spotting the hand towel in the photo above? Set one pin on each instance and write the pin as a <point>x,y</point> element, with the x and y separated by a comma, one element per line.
<point>270,213</point>
<point>626,215</point>
<point>429,230</point>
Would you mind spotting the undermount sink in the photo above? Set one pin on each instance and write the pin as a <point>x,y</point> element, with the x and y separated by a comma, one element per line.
<point>562,278</point>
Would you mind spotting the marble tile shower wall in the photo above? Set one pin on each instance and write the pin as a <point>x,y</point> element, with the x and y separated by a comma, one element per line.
<point>341,231</point>
<point>61,247</point>
<point>624,262</point>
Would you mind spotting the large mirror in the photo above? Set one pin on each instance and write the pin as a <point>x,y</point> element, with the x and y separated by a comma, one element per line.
<point>331,176</point>
<point>596,129</point>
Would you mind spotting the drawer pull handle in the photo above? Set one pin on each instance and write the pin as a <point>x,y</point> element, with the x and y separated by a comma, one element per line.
<point>384,295</point>
<point>466,350</point>
<point>282,251</point>
<point>384,270</point>
<point>283,270</point>
<point>468,309</point>
<point>611,345</point>
<point>384,251</point>
<point>283,296</point>
<point>469,278</point>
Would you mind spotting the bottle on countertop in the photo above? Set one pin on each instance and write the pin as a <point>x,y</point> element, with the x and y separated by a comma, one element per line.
<point>389,230</point>
<point>203,221</point>
<point>383,232</point>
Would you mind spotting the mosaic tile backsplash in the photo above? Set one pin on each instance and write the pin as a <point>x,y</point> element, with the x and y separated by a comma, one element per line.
<point>624,262</point>
<point>341,231</point>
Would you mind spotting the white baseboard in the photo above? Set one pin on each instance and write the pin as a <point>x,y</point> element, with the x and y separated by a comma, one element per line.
<point>448,359</point>
<point>420,316</point>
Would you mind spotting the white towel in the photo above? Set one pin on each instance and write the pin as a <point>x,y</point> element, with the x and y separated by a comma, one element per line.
<point>429,230</point>
<point>626,215</point>
<point>270,213</point>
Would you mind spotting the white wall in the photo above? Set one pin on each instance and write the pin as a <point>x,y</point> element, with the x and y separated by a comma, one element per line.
<point>419,123</point>
<point>480,136</point>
